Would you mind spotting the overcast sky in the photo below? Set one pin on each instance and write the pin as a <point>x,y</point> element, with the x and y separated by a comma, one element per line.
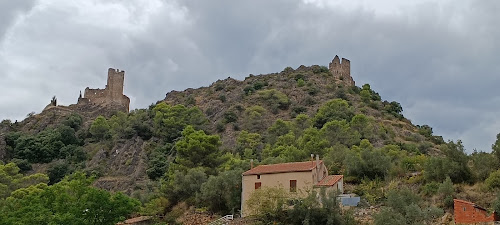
<point>439,59</point>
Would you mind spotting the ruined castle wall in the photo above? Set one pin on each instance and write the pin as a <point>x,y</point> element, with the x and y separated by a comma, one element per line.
<point>345,68</point>
<point>111,95</point>
<point>96,96</point>
<point>341,70</point>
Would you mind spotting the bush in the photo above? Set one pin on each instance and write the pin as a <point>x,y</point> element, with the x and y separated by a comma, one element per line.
<point>275,98</point>
<point>230,116</point>
<point>301,83</point>
<point>336,109</point>
<point>493,181</point>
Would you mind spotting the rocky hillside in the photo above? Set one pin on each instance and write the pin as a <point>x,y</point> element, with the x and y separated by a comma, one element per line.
<point>191,147</point>
<point>230,105</point>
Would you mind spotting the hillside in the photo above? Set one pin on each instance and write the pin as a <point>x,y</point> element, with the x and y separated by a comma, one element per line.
<point>178,150</point>
<point>228,104</point>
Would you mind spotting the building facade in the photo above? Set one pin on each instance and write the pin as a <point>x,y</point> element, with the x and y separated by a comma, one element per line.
<point>297,178</point>
<point>470,213</point>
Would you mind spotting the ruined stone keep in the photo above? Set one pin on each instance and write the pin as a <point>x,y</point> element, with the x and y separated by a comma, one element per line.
<point>111,95</point>
<point>341,70</point>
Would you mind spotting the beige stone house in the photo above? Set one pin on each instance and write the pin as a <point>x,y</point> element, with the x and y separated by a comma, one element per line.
<point>295,177</point>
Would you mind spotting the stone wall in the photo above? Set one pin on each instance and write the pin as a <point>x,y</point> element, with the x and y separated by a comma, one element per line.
<point>341,70</point>
<point>111,95</point>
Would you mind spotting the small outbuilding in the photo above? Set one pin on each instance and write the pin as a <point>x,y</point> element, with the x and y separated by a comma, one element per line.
<point>470,213</point>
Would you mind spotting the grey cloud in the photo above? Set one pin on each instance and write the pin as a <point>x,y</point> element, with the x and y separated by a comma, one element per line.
<point>438,60</point>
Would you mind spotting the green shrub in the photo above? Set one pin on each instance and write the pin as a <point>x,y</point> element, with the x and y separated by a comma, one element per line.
<point>493,181</point>
<point>301,83</point>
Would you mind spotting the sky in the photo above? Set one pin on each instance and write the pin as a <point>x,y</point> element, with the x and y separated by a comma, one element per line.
<point>439,59</point>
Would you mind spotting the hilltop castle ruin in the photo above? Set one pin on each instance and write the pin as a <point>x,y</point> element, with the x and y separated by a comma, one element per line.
<point>341,70</point>
<point>111,95</point>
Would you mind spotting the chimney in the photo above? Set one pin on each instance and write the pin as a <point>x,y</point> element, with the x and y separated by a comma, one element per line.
<point>312,159</point>
<point>251,163</point>
<point>318,169</point>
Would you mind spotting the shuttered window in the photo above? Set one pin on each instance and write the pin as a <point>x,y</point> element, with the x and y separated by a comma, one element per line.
<point>293,185</point>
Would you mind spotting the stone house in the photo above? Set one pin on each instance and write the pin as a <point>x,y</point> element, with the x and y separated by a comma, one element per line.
<point>295,177</point>
<point>470,213</point>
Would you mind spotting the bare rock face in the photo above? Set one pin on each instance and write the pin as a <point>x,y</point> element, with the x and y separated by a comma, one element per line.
<point>123,168</point>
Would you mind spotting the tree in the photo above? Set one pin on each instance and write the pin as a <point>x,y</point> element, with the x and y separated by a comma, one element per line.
<point>248,143</point>
<point>339,132</point>
<point>365,161</point>
<point>197,149</point>
<point>483,164</point>
<point>169,121</point>
<point>493,181</point>
<point>184,185</point>
<point>11,179</point>
<point>496,147</point>
<point>446,192</point>
<point>268,203</point>
<point>394,108</point>
<point>336,109</point>
<point>100,128</point>
<point>222,193</point>
<point>71,201</point>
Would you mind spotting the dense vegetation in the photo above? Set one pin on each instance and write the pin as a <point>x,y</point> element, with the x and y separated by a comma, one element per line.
<point>195,155</point>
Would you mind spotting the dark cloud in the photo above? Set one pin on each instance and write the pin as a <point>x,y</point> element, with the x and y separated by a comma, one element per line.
<point>437,58</point>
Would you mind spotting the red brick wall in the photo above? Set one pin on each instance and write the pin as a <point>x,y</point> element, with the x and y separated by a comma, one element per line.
<point>466,213</point>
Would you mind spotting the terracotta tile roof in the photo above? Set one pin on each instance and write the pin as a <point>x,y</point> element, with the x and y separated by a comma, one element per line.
<point>283,168</point>
<point>135,220</point>
<point>470,203</point>
<point>330,180</point>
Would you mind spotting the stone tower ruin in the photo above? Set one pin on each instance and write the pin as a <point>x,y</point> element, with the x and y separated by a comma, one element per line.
<point>111,95</point>
<point>341,70</point>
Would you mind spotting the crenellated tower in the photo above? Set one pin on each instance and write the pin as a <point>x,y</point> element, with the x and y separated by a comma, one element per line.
<point>341,70</point>
<point>115,83</point>
<point>112,95</point>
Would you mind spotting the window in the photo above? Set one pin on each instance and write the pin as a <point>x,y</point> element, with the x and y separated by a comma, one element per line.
<point>464,209</point>
<point>257,185</point>
<point>258,176</point>
<point>293,185</point>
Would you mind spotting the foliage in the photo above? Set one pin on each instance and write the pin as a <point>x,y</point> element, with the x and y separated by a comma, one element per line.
<point>404,207</point>
<point>169,121</point>
<point>58,171</point>
<point>46,146</point>
<point>268,203</point>
<point>197,149</point>
<point>71,201</point>
<point>100,129</point>
<point>183,185</point>
<point>493,181</point>
<point>336,109</point>
<point>318,208</point>
<point>339,132</point>
<point>496,147</point>
<point>454,165</point>
<point>158,161</point>
<point>275,99</point>
<point>11,179</point>
<point>446,192</point>
<point>248,144</point>
<point>367,162</point>
<point>483,164</point>
<point>222,193</point>
<point>496,204</point>
<point>394,108</point>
